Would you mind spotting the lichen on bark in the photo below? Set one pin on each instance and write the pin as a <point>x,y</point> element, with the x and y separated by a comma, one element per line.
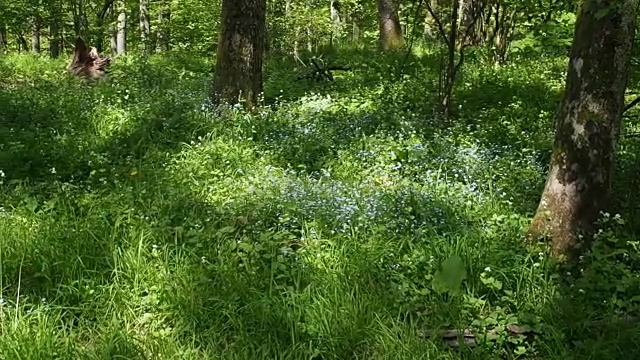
<point>587,124</point>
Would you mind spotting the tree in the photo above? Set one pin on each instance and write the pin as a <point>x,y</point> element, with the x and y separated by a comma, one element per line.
<point>121,37</point>
<point>35,31</point>
<point>240,52</point>
<point>164,16</point>
<point>55,22</point>
<point>335,20</point>
<point>86,62</point>
<point>3,30</point>
<point>145,27</point>
<point>390,31</point>
<point>455,38</point>
<point>587,125</point>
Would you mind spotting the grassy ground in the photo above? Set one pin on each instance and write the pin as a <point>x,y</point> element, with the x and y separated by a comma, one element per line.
<point>342,221</point>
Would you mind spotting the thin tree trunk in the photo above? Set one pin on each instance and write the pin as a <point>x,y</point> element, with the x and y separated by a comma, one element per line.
<point>309,41</point>
<point>3,32</point>
<point>145,27</point>
<point>335,20</point>
<point>164,17</point>
<point>390,31</point>
<point>121,37</point>
<point>22,43</point>
<point>240,52</point>
<point>113,30</point>
<point>3,39</point>
<point>35,35</point>
<point>446,102</point>
<point>106,10</point>
<point>113,38</point>
<point>54,29</point>
<point>587,126</point>
<point>80,21</point>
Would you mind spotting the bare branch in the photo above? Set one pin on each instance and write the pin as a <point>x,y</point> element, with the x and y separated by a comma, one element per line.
<point>438,22</point>
<point>635,102</point>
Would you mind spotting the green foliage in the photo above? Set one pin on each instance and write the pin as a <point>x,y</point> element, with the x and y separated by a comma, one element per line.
<point>449,278</point>
<point>340,220</point>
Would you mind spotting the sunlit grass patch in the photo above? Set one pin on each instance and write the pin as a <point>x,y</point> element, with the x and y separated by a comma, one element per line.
<point>136,221</point>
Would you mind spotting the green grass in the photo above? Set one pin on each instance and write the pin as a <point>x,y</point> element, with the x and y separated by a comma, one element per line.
<point>135,223</point>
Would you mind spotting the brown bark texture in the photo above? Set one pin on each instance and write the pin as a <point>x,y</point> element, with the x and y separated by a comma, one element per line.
<point>578,186</point>
<point>87,63</point>
<point>390,31</point>
<point>238,73</point>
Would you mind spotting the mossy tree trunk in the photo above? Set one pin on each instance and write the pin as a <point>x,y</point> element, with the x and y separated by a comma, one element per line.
<point>587,125</point>
<point>391,37</point>
<point>240,52</point>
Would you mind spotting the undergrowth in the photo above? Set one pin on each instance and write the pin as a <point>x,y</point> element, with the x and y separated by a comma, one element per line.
<point>341,220</point>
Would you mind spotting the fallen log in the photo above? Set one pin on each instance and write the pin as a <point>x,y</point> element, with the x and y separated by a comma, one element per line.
<point>320,72</point>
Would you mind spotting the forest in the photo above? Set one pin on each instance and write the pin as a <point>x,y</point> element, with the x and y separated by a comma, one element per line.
<point>319,179</point>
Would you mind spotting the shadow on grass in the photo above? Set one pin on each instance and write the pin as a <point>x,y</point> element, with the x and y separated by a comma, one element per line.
<point>100,230</point>
<point>128,239</point>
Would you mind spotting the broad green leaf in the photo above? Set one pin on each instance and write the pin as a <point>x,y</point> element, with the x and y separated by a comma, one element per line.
<point>450,276</point>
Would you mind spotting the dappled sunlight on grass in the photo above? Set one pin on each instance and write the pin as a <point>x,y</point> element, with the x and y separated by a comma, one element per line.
<point>136,222</point>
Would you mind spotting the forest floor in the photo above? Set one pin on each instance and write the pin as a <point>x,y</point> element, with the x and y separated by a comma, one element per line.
<point>340,221</point>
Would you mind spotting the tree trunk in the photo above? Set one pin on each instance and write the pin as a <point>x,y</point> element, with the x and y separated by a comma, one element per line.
<point>145,27</point>
<point>113,31</point>
<point>54,29</point>
<point>3,40</point>
<point>240,52</point>
<point>35,35</point>
<point>587,125</point>
<point>390,31</point>
<point>121,38</point>
<point>451,71</point>
<point>164,16</point>
<point>3,32</point>
<point>80,21</point>
<point>335,20</point>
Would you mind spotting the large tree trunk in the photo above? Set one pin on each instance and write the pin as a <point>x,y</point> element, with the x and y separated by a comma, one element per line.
<point>145,27</point>
<point>587,126</point>
<point>240,52</point>
<point>390,31</point>
<point>121,37</point>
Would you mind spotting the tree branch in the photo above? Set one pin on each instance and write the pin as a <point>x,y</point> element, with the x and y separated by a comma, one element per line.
<point>635,102</point>
<point>438,22</point>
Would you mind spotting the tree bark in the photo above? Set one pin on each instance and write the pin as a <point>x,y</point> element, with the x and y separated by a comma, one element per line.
<point>3,39</point>
<point>587,126</point>
<point>390,31</point>
<point>54,29</point>
<point>164,17</point>
<point>240,52</point>
<point>3,32</point>
<point>145,27</point>
<point>35,35</point>
<point>121,38</point>
<point>335,20</point>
